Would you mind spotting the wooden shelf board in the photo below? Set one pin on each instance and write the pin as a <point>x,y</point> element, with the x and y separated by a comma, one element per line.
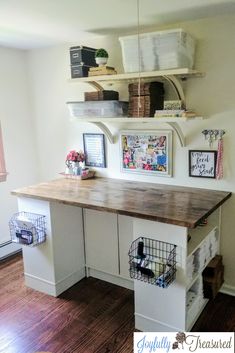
<point>136,120</point>
<point>183,73</point>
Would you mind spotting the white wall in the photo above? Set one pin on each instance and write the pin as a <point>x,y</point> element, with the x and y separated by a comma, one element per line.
<point>212,96</point>
<point>17,129</point>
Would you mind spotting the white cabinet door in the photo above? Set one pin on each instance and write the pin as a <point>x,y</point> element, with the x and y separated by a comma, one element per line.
<point>125,227</point>
<point>101,239</point>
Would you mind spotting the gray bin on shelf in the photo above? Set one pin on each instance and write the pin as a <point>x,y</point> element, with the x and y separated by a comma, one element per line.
<point>98,109</point>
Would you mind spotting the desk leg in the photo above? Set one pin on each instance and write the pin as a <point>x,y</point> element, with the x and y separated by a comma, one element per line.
<point>57,264</point>
<point>158,309</point>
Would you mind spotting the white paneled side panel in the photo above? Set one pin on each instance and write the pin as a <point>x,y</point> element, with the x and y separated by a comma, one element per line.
<point>68,247</point>
<point>170,233</point>
<point>160,231</point>
<point>101,241</point>
<point>39,261</point>
<point>154,306</point>
<point>54,266</point>
<point>165,306</point>
<point>125,228</point>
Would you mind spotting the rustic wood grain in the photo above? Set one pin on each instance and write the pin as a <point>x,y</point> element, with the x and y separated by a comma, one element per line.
<point>182,206</point>
<point>93,316</point>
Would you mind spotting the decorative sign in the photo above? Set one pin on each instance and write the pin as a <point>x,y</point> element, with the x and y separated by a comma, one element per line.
<point>94,149</point>
<point>202,164</point>
<point>148,152</point>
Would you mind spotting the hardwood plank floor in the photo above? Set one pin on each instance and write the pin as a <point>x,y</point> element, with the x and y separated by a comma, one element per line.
<point>91,317</point>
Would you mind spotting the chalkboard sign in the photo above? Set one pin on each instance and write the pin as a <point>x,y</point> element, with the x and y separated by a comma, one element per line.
<point>202,163</point>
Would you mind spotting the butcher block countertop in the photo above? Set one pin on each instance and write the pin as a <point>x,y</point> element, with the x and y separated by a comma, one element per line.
<point>183,206</point>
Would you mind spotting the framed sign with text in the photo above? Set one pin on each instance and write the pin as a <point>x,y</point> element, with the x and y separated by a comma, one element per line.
<point>202,163</point>
<point>94,149</point>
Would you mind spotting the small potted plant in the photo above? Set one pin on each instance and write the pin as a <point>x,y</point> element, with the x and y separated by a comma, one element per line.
<point>101,56</point>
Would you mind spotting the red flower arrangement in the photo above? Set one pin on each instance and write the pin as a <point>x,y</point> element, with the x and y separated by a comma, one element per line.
<point>75,156</point>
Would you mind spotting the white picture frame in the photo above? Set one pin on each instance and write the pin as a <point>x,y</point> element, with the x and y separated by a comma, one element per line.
<point>146,152</point>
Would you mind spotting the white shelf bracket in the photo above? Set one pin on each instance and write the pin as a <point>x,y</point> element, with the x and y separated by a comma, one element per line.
<point>177,86</point>
<point>179,132</point>
<point>105,130</point>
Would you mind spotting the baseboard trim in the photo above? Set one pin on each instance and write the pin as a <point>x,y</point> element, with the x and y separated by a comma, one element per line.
<point>114,279</point>
<point>69,281</point>
<point>146,324</point>
<point>53,288</point>
<point>9,249</point>
<point>226,289</point>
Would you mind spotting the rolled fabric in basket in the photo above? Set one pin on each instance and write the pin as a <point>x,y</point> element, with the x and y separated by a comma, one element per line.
<point>157,267</point>
<point>163,280</point>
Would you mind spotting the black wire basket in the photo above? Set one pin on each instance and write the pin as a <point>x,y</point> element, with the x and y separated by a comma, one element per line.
<point>152,261</point>
<point>28,228</point>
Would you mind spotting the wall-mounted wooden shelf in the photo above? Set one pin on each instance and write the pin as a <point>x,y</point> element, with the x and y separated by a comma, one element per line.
<point>137,120</point>
<point>151,75</point>
<point>101,122</point>
<point>173,77</point>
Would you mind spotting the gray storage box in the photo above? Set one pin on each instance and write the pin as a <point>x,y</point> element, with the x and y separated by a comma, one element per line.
<point>83,55</point>
<point>79,70</point>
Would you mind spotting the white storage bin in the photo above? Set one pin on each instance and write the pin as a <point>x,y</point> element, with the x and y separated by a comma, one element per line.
<point>158,51</point>
<point>138,57</point>
<point>98,108</point>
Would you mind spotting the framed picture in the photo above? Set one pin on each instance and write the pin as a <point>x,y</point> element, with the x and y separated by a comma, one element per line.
<point>202,163</point>
<point>147,152</point>
<point>94,149</point>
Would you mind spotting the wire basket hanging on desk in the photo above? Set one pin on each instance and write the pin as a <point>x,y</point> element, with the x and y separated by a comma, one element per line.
<point>28,228</point>
<point>152,261</point>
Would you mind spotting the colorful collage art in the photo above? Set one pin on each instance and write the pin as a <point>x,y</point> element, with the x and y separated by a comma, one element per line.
<point>147,152</point>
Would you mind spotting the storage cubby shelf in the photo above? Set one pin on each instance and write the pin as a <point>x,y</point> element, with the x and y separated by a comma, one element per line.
<point>197,237</point>
<point>191,320</point>
<point>100,122</point>
<point>197,275</point>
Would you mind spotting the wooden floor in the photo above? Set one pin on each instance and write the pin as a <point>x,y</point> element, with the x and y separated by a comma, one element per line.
<point>92,316</point>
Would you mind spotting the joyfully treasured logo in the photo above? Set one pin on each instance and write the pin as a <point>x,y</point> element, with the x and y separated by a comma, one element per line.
<point>199,342</point>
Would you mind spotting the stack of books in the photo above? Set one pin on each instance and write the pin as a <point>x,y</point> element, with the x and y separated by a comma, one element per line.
<point>145,98</point>
<point>178,113</point>
<point>102,70</point>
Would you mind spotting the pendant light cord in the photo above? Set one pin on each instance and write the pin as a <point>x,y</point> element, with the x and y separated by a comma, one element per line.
<point>139,57</point>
